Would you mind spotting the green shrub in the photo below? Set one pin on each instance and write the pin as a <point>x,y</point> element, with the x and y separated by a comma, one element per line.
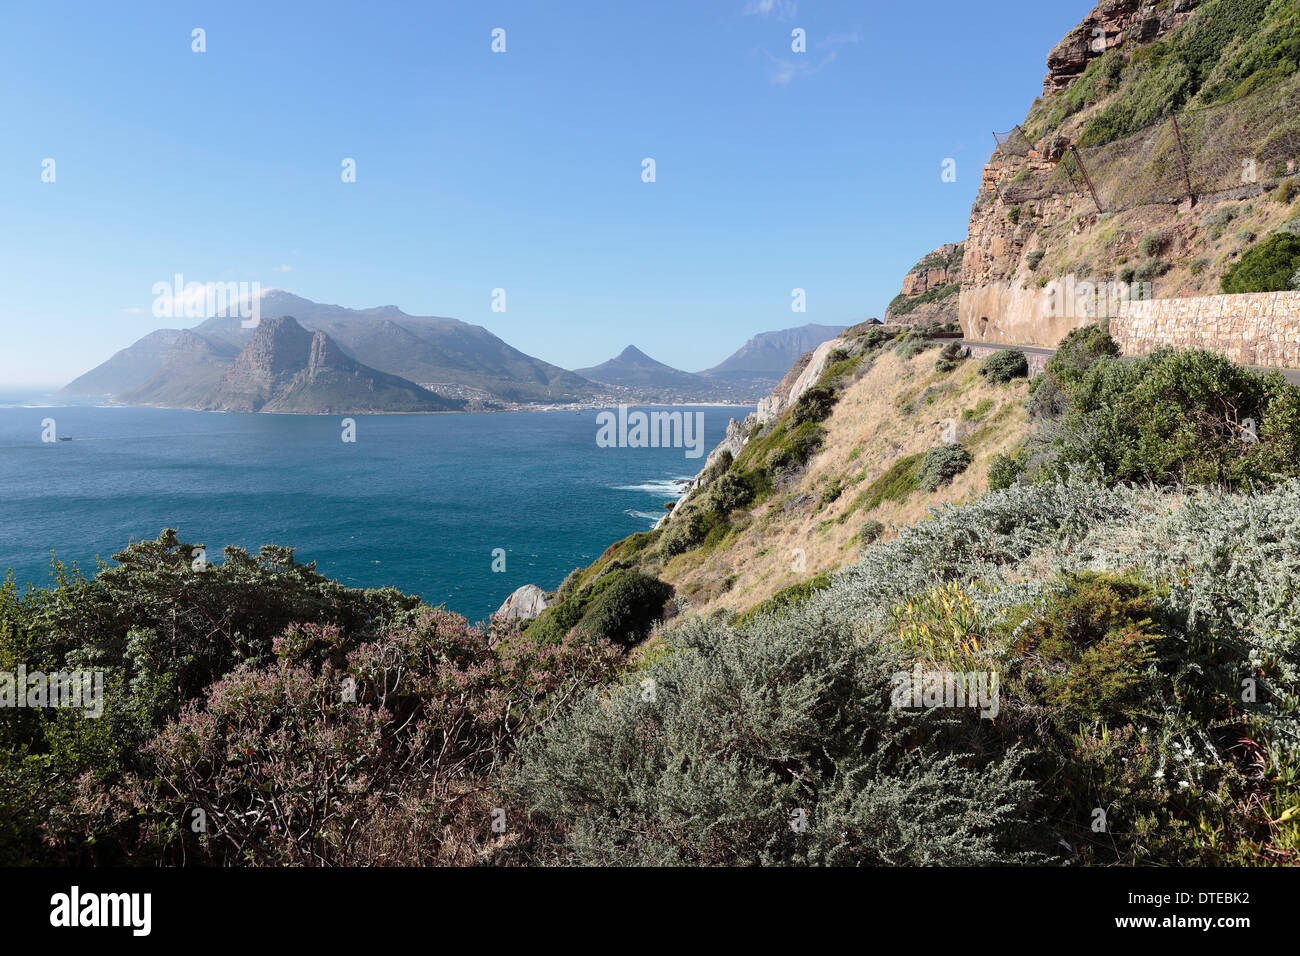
<point>1180,416</point>
<point>717,467</point>
<point>896,484</point>
<point>950,356</point>
<point>729,492</point>
<point>684,531</point>
<point>912,344</point>
<point>1035,258</point>
<point>1219,218</point>
<point>625,606</point>
<point>1151,269</point>
<point>786,598</point>
<point>941,465</point>
<point>1266,266</point>
<point>1094,645</point>
<point>1079,351</point>
<point>1004,471</point>
<point>1004,365</point>
<point>870,531</point>
<point>814,405</point>
<point>771,745</point>
<point>1152,244</point>
<point>619,606</point>
<point>1286,193</point>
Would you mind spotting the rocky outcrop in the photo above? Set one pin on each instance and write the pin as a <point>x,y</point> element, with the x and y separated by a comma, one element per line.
<point>1112,23</point>
<point>285,368</point>
<point>1077,203</point>
<point>277,351</point>
<point>524,604</point>
<point>930,289</point>
<point>801,377</point>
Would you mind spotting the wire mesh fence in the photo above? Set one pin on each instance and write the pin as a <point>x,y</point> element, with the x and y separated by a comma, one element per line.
<point>1206,152</point>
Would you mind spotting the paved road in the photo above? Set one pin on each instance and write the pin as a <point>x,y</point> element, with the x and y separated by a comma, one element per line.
<point>1292,375</point>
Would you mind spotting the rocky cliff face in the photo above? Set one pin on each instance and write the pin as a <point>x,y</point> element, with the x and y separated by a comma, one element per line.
<point>190,370</point>
<point>1089,192</point>
<point>285,368</point>
<point>277,351</point>
<point>1112,24</point>
<point>931,289</point>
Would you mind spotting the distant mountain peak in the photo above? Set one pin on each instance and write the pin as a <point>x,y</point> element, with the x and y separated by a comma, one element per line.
<point>766,357</point>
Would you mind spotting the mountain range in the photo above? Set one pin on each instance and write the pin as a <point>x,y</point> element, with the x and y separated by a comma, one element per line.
<point>327,357</point>
<point>750,371</point>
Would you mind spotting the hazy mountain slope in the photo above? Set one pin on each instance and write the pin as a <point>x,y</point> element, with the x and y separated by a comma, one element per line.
<point>127,369</point>
<point>768,356</point>
<point>423,349</point>
<point>333,382</point>
<point>190,371</point>
<point>286,368</point>
<point>632,368</point>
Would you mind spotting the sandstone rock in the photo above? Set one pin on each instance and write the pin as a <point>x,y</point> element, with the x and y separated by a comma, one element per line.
<point>1112,23</point>
<point>524,604</point>
<point>938,270</point>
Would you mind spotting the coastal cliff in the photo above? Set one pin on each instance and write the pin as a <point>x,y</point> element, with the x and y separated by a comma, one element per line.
<point>1156,158</point>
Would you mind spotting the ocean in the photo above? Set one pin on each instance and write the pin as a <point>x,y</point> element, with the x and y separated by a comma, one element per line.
<point>418,502</point>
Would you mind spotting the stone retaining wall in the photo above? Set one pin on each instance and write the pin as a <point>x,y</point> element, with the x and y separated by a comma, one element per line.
<point>1259,328</point>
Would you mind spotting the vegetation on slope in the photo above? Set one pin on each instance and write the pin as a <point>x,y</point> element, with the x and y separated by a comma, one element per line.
<point>1241,57</point>
<point>1229,49</point>
<point>1143,634</point>
<point>1143,718</point>
<point>1171,417</point>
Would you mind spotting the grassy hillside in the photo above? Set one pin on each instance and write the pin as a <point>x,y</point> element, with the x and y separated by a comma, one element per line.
<point>806,493</point>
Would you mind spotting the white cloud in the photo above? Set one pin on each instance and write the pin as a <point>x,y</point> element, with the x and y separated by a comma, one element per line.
<point>783,9</point>
<point>784,71</point>
<point>134,311</point>
<point>284,268</point>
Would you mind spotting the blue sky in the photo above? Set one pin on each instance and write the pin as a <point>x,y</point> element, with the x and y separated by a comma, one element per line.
<point>479,170</point>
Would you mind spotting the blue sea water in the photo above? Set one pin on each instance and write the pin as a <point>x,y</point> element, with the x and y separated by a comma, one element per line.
<point>418,502</point>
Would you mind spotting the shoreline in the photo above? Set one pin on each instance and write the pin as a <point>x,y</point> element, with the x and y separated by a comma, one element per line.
<point>519,407</point>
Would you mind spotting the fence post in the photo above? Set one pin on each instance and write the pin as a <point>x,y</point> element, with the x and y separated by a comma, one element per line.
<point>1086,178</point>
<point>1182,160</point>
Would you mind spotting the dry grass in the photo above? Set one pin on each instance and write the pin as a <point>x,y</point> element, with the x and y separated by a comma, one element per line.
<point>865,436</point>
